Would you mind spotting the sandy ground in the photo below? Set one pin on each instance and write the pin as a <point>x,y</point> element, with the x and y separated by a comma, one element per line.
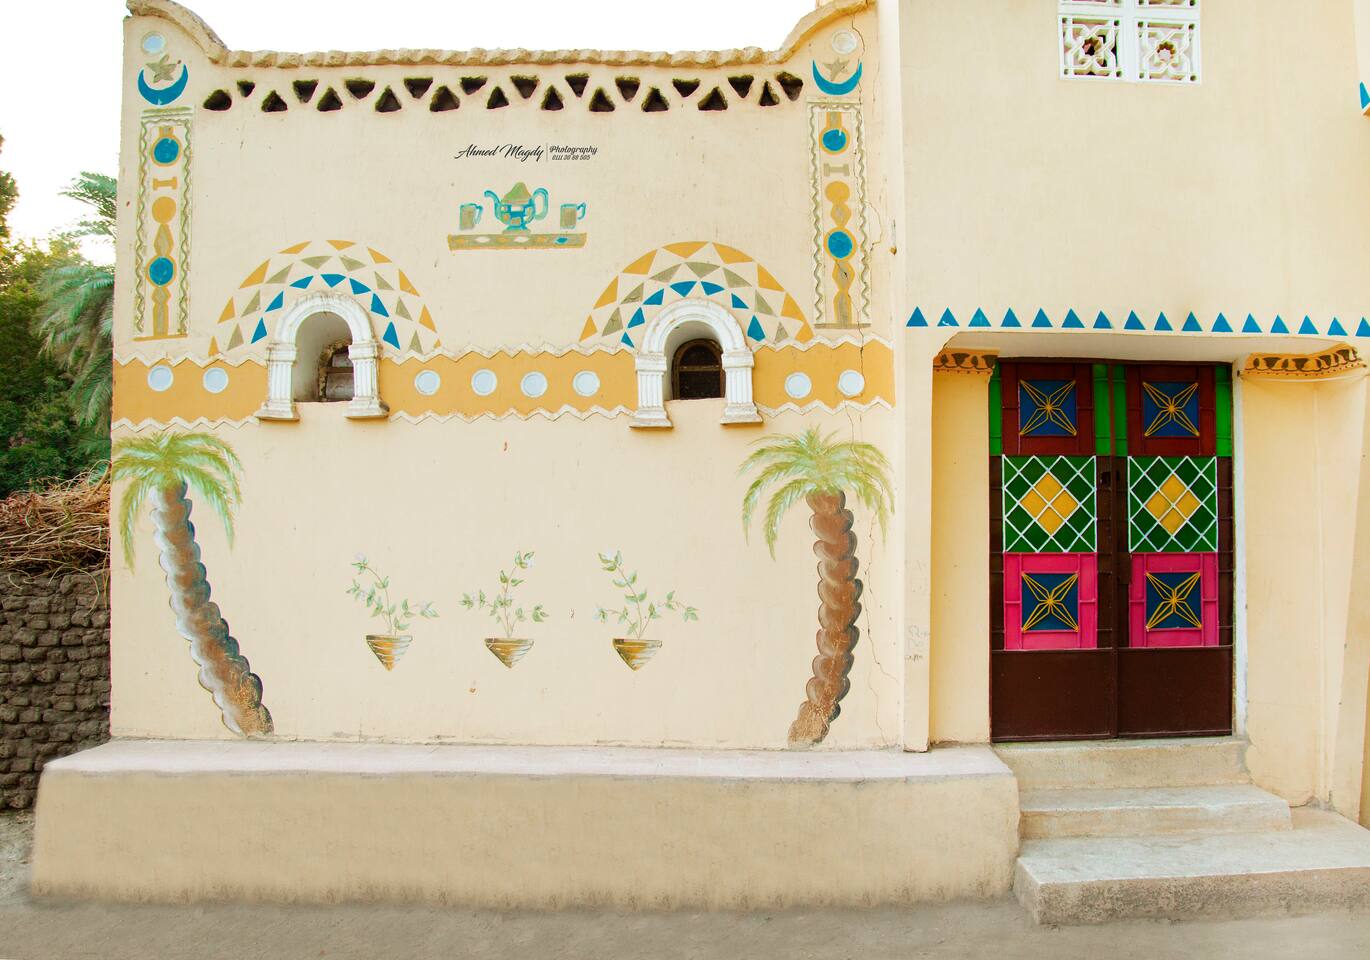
<point>1001,931</point>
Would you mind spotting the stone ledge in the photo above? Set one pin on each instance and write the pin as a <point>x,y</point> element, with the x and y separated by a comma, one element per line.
<point>531,827</point>
<point>186,757</point>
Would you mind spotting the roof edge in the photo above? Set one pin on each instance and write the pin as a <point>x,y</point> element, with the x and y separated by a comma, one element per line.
<point>215,50</point>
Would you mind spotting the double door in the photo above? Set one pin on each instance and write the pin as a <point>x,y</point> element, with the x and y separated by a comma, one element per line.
<point>1111,550</point>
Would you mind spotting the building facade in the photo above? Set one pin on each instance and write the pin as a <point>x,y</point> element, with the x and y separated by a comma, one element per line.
<point>547,374</point>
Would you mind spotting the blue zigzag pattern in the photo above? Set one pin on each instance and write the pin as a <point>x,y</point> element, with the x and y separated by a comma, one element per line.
<point>1162,324</point>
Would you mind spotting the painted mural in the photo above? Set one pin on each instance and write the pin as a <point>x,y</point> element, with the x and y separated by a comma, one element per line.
<point>837,172</point>
<point>506,614</point>
<point>702,269</point>
<point>517,210</point>
<point>160,471</point>
<point>822,472</point>
<point>637,613</point>
<point>160,304</point>
<point>373,590</point>
<point>399,313</point>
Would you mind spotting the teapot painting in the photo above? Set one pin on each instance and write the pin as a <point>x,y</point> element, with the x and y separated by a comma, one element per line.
<point>518,208</point>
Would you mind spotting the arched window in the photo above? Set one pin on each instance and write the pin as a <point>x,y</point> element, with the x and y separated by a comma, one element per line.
<point>701,339</point>
<point>338,353</point>
<point>697,371</point>
<point>335,373</point>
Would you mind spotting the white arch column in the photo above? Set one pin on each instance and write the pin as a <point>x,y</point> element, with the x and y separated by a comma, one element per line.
<point>364,352</point>
<point>652,364</point>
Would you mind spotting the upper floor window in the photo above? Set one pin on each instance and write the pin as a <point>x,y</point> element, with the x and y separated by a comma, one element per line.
<point>697,371</point>
<point>1139,40</point>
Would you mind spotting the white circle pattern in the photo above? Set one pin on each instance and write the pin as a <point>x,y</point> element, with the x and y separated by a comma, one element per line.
<point>585,383</point>
<point>160,378</point>
<point>844,41</point>
<point>427,382</point>
<point>851,383</point>
<point>533,384</point>
<point>484,382</point>
<point>215,379</point>
<point>798,385</point>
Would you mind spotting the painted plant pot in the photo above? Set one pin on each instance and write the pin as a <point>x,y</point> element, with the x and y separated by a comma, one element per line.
<point>509,651</point>
<point>387,648</point>
<point>636,653</point>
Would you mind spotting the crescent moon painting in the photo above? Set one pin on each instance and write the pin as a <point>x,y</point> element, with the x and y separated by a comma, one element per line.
<point>166,95</point>
<point>836,89</point>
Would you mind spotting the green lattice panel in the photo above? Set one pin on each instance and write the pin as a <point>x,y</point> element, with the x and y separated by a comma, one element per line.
<point>1049,504</point>
<point>1172,504</point>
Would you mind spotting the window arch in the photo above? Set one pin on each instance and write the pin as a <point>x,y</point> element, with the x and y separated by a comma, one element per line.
<point>363,351</point>
<point>672,330</point>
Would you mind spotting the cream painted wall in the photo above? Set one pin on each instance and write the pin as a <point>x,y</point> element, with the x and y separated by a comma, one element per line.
<point>1362,11</point>
<point>960,558</point>
<point>1350,785</point>
<point>1242,193</point>
<point>991,183</point>
<point>262,181</point>
<point>1301,489</point>
<point>440,508</point>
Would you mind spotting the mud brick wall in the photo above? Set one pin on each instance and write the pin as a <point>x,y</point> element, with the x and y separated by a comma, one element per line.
<point>54,675</point>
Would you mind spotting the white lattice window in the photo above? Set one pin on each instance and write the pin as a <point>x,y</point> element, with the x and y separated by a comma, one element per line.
<point>1144,40</point>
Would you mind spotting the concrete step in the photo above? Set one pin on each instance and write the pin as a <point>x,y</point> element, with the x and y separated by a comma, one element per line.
<point>1138,811</point>
<point>1323,863</point>
<point>1115,764</point>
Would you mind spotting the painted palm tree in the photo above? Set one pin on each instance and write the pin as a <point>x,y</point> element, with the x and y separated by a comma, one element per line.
<point>77,322</point>
<point>160,470</point>
<point>822,472</point>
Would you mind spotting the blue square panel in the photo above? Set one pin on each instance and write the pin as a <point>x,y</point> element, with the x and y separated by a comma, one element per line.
<point>1173,601</point>
<point>1170,409</point>
<point>1051,602</point>
<point>1047,408</point>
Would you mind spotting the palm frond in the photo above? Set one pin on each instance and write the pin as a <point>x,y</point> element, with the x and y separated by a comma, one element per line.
<point>208,487</point>
<point>779,504</point>
<point>776,471</point>
<point>76,326</point>
<point>810,462</point>
<point>130,505</point>
<point>100,192</point>
<point>203,462</point>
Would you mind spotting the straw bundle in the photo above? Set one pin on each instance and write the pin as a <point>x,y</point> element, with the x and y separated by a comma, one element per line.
<point>62,527</point>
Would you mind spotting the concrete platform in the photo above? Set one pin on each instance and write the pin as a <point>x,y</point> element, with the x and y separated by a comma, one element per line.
<point>1138,811</point>
<point>1321,864</point>
<point>523,827</point>
<point>1116,764</point>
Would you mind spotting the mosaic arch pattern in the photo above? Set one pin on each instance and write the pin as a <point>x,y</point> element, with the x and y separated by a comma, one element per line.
<point>764,309</point>
<point>1133,322</point>
<point>400,317</point>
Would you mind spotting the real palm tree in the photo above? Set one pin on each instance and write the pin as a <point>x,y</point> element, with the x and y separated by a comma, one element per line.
<point>822,472</point>
<point>160,469</point>
<point>77,322</point>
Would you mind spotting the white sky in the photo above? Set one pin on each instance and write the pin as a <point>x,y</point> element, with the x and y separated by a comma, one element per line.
<point>60,71</point>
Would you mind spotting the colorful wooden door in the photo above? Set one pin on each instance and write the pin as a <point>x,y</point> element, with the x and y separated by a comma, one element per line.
<point>1111,546</point>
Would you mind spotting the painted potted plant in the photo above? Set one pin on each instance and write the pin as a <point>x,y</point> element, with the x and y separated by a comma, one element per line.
<point>637,613</point>
<point>508,648</point>
<point>389,646</point>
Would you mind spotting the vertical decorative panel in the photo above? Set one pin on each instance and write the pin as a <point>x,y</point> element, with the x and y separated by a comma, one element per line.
<point>837,167</point>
